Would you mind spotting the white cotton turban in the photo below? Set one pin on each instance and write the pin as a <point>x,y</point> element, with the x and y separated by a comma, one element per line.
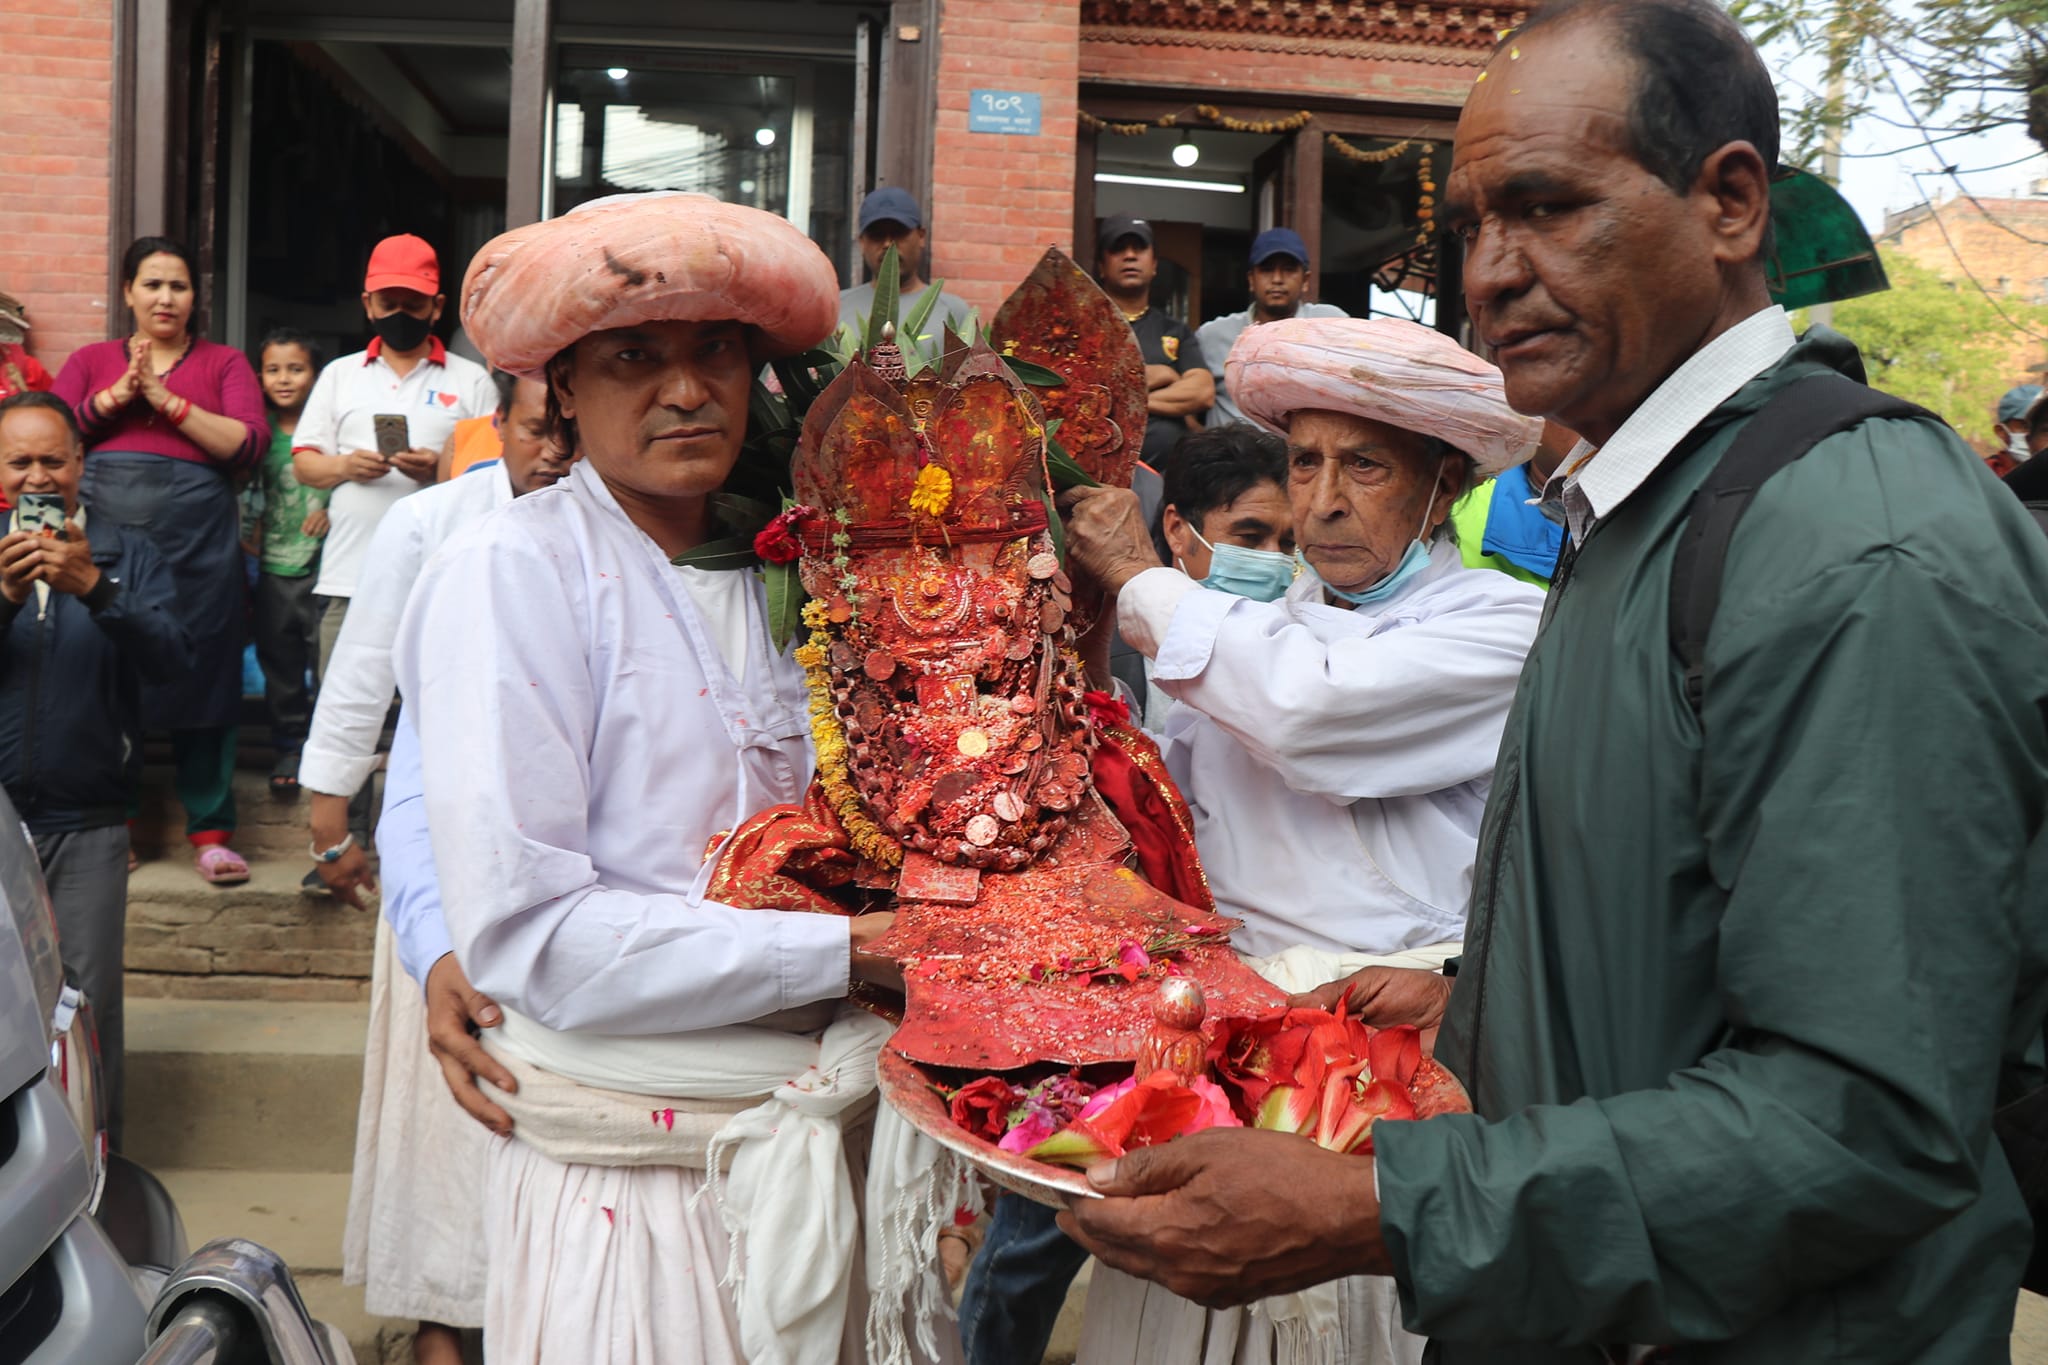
<point>632,258</point>
<point>1385,370</point>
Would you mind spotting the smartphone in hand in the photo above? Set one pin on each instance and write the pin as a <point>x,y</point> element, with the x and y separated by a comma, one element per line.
<point>38,512</point>
<point>393,437</point>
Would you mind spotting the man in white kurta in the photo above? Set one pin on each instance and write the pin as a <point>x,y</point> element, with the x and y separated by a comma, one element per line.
<point>594,717</point>
<point>1335,747</point>
<point>414,1237</point>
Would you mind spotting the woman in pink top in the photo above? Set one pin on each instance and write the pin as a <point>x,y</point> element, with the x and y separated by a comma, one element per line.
<point>169,420</point>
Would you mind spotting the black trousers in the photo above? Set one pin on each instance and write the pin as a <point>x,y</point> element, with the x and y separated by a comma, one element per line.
<point>287,630</point>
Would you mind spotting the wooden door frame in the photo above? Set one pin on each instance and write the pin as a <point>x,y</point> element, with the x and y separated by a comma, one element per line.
<point>1302,174</point>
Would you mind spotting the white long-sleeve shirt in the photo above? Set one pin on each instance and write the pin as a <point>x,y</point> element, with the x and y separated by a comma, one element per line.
<point>582,742</point>
<point>341,415</point>
<point>355,692</point>
<point>1337,760</point>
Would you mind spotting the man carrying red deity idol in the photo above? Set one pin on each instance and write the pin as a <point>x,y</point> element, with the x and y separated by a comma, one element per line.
<point>595,710</point>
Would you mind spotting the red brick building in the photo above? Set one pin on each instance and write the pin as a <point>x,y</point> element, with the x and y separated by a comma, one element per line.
<point>279,139</point>
<point>2000,243</point>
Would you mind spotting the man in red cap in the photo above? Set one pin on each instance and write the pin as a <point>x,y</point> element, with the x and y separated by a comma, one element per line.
<point>407,383</point>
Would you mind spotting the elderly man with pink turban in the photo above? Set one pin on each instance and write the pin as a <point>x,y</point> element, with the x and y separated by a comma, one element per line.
<point>694,1170</point>
<point>1336,746</point>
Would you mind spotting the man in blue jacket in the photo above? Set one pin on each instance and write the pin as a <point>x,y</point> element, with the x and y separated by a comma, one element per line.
<point>86,622</point>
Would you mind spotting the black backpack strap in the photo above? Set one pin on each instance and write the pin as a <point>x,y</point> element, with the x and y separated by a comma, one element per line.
<point>1802,415</point>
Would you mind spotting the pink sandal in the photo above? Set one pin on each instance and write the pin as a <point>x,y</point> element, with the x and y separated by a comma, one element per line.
<point>222,866</point>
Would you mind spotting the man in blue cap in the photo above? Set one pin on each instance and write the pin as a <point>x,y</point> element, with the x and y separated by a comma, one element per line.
<point>890,217</point>
<point>2010,432</point>
<point>1279,277</point>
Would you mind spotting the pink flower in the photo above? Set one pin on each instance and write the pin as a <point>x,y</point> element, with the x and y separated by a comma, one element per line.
<point>1215,1111</point>
<point>1037,1126</point>
<point>1107,1096</point>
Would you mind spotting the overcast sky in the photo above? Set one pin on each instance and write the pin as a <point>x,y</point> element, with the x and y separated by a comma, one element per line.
<point>1880,159</point>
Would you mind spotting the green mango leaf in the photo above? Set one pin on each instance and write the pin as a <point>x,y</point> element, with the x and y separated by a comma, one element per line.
<point>1056,528</point>
<point>885,300</point>
<point>785,601</point>
<point>766,411</point>
<point>797,388</point>
<point>1065,470</point>
<point>910,336</point>
<point>1037,375</point>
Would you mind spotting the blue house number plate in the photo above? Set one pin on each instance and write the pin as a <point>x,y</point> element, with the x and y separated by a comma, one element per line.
<point>1002,111</point>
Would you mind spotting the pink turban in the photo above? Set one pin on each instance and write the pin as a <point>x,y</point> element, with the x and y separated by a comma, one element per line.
<point>537,290</point>
<point>1383,369</point>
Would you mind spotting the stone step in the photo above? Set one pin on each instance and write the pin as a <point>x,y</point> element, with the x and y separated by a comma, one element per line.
<point>244,1087</point>
<point>265,825</point>
<point>264,939</point>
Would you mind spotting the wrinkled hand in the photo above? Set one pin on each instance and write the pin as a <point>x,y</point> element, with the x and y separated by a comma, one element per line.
<point>1385,996</point>
<point>1229,1215</point>
<point>21,562</point>
<point>455,1011</point>
<point>364,466</point>
<point>419,465</point>
<point>874,968</point>
<point>348,876</point>
<point>67,564</point>
<point>315,523</point>
<point>1107,540</point>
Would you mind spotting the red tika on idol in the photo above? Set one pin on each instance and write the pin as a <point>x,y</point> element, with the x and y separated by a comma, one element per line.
<point>1052,921</point>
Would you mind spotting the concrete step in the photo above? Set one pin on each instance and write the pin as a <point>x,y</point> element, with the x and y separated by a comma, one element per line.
<point>247,1087</point>
<point>182,927</point>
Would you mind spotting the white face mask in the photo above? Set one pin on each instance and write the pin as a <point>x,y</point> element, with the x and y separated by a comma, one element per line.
<point>2016,444</point>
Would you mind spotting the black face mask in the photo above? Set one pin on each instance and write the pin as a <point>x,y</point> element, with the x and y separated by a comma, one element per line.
<point>401,331</point>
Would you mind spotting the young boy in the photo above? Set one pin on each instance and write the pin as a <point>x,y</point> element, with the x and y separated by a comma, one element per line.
<point>288,523</point>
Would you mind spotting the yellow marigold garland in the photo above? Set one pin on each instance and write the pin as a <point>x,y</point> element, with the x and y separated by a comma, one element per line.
<point>868,839</point>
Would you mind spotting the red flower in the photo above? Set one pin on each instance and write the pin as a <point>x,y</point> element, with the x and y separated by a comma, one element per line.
<point>983,1107</point>
<point>1106,708</point>
<point>1396,1054</point>
<point>778,542</point>
<point>1350,1110</point>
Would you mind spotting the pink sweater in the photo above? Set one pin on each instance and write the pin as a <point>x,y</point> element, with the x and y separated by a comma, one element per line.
<point>215,377</point>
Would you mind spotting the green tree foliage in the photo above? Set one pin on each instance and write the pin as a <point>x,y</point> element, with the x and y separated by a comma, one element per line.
<point>1940,344</point>
<point>1963,65</point>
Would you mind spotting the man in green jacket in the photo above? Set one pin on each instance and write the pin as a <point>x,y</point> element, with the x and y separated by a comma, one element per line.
<point>1742,989</point>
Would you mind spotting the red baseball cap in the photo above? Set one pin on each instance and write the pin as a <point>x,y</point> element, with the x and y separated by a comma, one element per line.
<point>403,262</point>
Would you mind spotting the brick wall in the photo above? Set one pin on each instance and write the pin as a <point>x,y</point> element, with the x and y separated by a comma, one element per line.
<point>56,103</point>
<point>999,200</point>
<point>2007,252</point>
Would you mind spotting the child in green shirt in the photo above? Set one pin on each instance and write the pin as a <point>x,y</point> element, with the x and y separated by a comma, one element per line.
<point>284,521</point>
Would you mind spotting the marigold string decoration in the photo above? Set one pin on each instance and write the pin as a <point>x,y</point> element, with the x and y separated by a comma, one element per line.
<point>1208,112</point>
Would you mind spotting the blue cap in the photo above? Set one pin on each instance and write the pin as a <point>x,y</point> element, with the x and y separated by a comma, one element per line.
<point>1278,242</point>
<point>889,204</point>
<point>2014,405</point>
